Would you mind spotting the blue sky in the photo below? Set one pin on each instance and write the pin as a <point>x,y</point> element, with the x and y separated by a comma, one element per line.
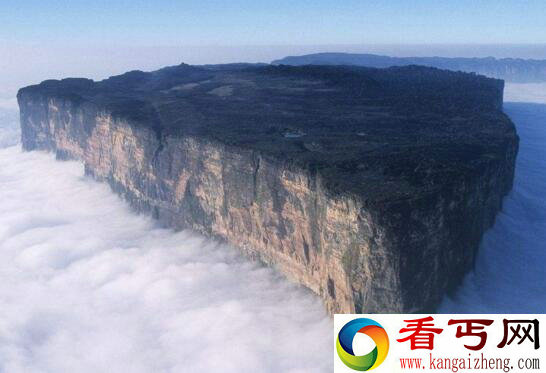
<point>51,39</point>
<point>246,22</point>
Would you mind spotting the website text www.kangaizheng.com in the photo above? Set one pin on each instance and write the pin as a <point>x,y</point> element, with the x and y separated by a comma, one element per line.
<point>470,363</point>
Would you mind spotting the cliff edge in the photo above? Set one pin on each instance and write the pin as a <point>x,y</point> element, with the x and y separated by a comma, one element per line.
<point>372,187</point>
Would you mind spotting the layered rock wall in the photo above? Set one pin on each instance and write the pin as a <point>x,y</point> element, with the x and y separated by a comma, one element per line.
<point>395,256</point>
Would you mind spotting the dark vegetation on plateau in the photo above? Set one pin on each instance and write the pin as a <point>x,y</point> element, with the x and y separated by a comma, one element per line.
<point>408,127</point>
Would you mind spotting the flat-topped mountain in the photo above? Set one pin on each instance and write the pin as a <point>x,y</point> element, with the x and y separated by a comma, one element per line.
<point>349,124</point>
<point>515,70</point>
<point>370,186</point>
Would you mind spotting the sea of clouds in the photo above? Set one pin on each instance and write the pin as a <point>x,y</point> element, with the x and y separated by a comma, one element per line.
<point>89,286</point>
<point>86,285</point>
<point>510,272</point>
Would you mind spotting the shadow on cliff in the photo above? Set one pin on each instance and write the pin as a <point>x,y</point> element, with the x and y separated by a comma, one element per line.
<point>509,274</point>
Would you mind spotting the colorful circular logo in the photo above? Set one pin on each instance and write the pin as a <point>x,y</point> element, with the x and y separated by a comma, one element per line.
<point>372,329</point>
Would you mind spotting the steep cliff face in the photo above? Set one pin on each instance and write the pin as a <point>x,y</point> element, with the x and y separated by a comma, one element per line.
<point>360,249</point>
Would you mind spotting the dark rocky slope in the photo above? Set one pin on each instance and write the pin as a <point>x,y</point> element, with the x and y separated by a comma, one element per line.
<point>371,187</point>
<point>515,70</point>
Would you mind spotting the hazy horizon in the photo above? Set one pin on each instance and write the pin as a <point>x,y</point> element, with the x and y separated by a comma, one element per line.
<point>27,64</point>
<point>58,38</point>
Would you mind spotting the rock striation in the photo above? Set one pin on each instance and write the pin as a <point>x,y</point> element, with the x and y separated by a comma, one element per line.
<point>372,187</point>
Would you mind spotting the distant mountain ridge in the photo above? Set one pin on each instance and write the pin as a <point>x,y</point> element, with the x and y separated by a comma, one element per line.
<point>514,70</point>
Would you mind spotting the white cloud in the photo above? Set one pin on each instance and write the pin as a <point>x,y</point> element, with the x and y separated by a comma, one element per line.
<point>8,103</point>
<point>88,286</point>
<point>9,128</point>
<point>530,92</point>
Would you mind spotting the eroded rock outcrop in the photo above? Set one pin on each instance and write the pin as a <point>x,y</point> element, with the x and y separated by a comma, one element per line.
<point>377,204</point>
